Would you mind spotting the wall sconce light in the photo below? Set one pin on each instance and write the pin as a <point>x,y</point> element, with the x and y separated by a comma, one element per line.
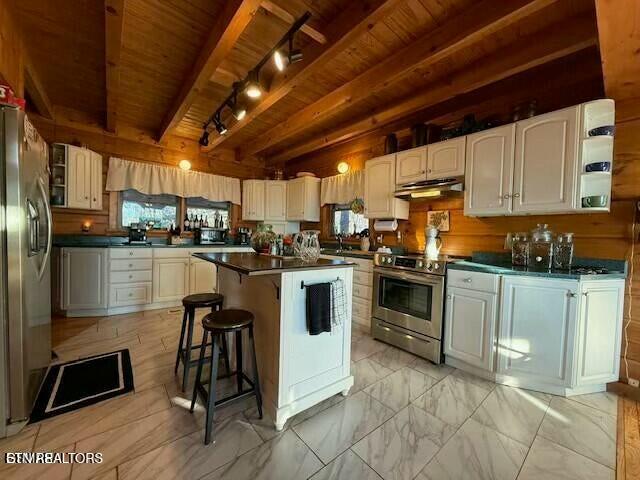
<point>343,167</point>
<point>185,165</point>
<point>86,226</point>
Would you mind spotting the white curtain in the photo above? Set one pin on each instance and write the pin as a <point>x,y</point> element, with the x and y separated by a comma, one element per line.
<point>341,189</point>
<point>153,179</point>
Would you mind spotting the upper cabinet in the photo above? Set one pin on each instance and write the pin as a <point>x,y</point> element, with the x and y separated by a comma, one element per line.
<point>275,208</point>
<point>303,199</point>
<point>446,159</point>
<point>253,200</point>
<point>83,188</point>
<point>379,187</point>
<point>411,165</point>
<point>548,164</point>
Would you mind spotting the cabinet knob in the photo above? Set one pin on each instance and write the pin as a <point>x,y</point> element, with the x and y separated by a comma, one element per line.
<point>86,198</point>
<point>449,296</point>
<point>516,195</point>
<point>130,265</point>
<point>571,294</point>
<point>422,171</point>
<point>467,280</point>
<point>130,253</point>
<point>428,170</point>
<point>94,199</point>
<point>506,196</point>
<point>586,294</point>
<point>130,276</point>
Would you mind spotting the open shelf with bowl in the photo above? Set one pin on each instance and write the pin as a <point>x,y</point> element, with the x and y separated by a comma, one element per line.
<point>58,187</point>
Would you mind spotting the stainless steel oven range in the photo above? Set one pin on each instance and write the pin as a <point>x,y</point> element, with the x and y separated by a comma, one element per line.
<point>408,303</point>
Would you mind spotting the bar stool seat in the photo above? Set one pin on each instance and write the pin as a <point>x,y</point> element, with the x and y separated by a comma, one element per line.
<point>219,324</point>
<point>210,300</point>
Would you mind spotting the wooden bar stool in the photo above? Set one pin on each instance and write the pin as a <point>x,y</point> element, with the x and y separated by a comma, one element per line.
<point>218,324</point>
<point>190,304</point>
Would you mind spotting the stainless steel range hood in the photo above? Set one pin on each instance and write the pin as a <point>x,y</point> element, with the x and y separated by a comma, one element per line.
<point>430,188</point>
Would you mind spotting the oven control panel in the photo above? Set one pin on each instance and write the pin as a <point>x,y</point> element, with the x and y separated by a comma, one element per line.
<point>415,263</point>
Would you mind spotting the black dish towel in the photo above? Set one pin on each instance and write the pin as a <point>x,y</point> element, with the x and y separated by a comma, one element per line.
<point>319,308</point>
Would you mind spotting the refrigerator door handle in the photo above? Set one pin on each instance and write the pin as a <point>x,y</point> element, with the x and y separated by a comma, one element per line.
<point>47,208</point>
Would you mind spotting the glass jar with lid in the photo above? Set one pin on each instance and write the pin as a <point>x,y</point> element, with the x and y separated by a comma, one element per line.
<point>563,251</point>
<point>520,249</point>
<point>541,247</point>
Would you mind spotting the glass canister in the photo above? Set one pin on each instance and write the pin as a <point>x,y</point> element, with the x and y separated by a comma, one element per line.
<point>307,245</point>
<point>563,251</point>
<point>541,247</point>
<point>520,249</point>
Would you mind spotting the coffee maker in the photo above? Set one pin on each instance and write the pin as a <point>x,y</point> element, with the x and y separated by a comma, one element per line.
<point>137,233</point>
<point>244,236</point>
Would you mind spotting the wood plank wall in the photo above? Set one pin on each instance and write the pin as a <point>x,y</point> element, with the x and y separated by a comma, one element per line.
<point>596,235</point>
<point>11,58</point>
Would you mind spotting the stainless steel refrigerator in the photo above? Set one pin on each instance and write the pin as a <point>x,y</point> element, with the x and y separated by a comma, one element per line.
<point>25,240</point>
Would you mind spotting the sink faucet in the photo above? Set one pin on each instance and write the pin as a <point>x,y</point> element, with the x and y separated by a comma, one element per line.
<point>339,237</point>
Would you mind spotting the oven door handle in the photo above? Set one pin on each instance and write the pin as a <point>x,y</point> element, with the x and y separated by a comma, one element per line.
<point>417,278</point>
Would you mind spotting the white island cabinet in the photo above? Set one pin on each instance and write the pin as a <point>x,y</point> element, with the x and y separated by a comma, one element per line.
<point>297,370</point>
<point>560,336</point>
<point>83,278</point>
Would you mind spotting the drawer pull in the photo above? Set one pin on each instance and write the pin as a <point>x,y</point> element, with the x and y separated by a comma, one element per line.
<point>130,276</point>
<point>130,253</point>
<point>467,280</point>
<point>130,265</point>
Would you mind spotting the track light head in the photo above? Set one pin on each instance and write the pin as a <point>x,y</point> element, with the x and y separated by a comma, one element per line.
<point>204,139</point>
<point>238,112</point>
<point>220,127</point>
<point>252,87</point>
<point>279,60</point>
<point>295,56</point>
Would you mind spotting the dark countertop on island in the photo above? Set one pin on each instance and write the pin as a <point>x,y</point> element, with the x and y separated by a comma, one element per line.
<point>259,264</point>
<point>103,241</point>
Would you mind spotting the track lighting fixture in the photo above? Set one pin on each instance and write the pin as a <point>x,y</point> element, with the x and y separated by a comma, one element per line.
<point>252,85</point>
<point>279,60</point>
<point>237,110</point>
<point>204,139</point>
<point>293,56</point>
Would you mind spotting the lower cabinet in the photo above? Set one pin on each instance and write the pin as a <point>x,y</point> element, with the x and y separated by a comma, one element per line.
<point>170,279</point>
<point>84,279</point>
<point>127,294</point>
<point>470,321</point>
<point>202,276</point>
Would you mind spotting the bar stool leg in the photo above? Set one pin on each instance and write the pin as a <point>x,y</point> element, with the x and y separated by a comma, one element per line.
<point>184,324</point>
<point>225,347</point>
<point>196,383</point>
<point>187,362</point>
<point>256,377</point>
<point>239,360</point>
<point>211,400</point>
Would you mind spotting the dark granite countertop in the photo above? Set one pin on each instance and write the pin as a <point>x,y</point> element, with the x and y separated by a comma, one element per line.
<point>258,264</point>
<point>500,264</point>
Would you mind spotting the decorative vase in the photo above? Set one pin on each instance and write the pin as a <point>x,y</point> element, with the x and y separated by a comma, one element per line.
<point>306,245</point>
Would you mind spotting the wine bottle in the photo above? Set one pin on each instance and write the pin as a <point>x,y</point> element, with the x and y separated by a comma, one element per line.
<point>186,223</point>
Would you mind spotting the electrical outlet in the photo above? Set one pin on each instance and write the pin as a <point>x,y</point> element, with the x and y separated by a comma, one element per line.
<point>634,382</point>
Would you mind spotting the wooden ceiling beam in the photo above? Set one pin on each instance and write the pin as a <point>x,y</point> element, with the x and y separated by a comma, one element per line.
<point>286,17</point>
<point>619,34</point>
<point>35,89</point>
<point>552,43</point>
<point>459,33</point>
<point>234,18</point>
<point>350,24</point>
<point>114,21</point>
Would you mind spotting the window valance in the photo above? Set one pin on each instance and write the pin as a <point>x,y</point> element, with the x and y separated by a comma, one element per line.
<point>341,189</point>
<point>153,179</point>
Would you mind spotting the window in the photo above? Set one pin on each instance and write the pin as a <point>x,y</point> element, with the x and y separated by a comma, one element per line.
<point>208,211</point>
<point>345,222</point>
<point>157,211</point>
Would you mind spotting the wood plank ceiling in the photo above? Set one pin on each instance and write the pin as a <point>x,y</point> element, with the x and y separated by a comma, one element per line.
<point>163,66</point>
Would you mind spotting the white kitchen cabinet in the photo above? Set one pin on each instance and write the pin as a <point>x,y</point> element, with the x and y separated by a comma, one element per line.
<point>446,159</point>
<point>202,276</point>
<point>599,334</point>
<point>379,187</point>
<point>84,278</point>
<point>488,171</point>
<point>275,200</point>
<point>537,330</point>
<point>253,200</point>
<point>470,319</point>
<point>303,199</point>
<point>84,178</point>
<point>170,279</point>
<point>411,165</point>
<point>545,165</point>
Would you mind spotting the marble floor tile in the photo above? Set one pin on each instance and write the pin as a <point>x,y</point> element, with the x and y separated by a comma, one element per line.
<point>87,336</point>
<point>134,439</point>
<point>155,370</point>
<point>95,348</point>
<point>428,368</point>
<point>285,457</point>
<point>583,429</point>
<point>550,461</point>
<point>39,471</point>
<point>400,388</point>
<point>144,353</point>
<point>189,457</point>
<point>394,358</point>
<point>400,447</point>
<point>317,408</point>
<point>73,426</point>
<point>452,400</point>
<point>516,413</point>
<point>476,452</point>
<point>108,475</point>
<point>366,372</point>
<point>347,466</point>
<point>603,401</point>
<point>334,430</point>
<point>473,379</point>
<point>365,347</point>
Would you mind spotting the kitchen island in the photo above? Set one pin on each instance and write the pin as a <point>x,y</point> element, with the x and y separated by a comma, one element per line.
<point>297,370</point>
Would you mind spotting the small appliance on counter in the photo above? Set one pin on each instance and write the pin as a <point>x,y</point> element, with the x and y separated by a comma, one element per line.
<point>137,233</point>
<point>540,250</point>
<point>210,236</point>
<point>244,236</point>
